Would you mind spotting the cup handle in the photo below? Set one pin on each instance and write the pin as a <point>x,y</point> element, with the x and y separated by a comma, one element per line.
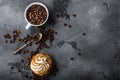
<point>28,26</point>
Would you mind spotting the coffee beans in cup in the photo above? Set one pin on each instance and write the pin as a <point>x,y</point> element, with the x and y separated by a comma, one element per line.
<point>36,14</point>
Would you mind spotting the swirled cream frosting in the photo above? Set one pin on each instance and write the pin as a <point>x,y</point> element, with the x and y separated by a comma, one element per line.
<point>41,64</point>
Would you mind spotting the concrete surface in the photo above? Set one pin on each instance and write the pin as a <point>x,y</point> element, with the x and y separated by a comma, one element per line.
<point>99,48</point>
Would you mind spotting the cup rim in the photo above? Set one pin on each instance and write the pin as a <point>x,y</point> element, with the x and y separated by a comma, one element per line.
<point>38,3</point>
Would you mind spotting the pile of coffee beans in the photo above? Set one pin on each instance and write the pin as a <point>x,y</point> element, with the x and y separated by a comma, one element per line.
<point>36,14</point>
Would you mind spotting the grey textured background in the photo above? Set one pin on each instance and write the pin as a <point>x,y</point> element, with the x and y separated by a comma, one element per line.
<point>100,48</point>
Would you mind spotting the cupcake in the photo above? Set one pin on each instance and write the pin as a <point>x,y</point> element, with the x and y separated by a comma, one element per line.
<point>41,64</point>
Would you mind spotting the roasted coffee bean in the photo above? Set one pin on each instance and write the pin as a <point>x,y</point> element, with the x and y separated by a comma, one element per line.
<point>12,67</point>
<point>18,32</point>
<point>26,76</point>
<point>54,74</point>
<point>32,52</point>
<point>28,58</point>
<point>71,58</point>
<point>74,15</point>
<point>48,47</point>
<point>84,34</point>
<point>56,33</point>
<point>30,44</point>
<point>31,77</point>
<point>67,16</point>
<point>58,15</point>
<point>13,31</point>
<point>6,41</point>
<point>69,26</point>
<point>28,36</point>
<point>19,70</point>
<point>37,49</point>
<point>65,24</point>
<point>11,41</point>
<point>14,36</point>
<point>26,51</point>
<point>22,60</point>
<point>36,43</point>
<point>79,54</point>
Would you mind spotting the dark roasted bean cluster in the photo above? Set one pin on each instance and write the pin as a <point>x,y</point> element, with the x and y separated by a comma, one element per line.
<point>36,14</point>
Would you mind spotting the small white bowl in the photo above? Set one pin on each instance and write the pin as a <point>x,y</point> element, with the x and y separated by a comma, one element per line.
<point>30,24</point>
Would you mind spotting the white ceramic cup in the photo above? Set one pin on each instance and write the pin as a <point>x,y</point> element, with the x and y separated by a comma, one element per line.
<point>30,24</point>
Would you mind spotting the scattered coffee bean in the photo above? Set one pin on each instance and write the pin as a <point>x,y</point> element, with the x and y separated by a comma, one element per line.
<point>71,58</point>
<point>74,15</point>
<point>56,33</point>
<point>54,74</point>
<point>32,52</point>
<point>22,60</point>
<point>14,36</point>
<point>58,15</point>
<point>79,54</point>
<point>16,31</point>
<point>28,36</point>
<point>30,44</point>
<point>37,49</point>
<point>6,41</point>
<point>26,76</point>
<point>14,40</point>
<point>48,47</point>
<point>11,41</point>
<point>12,67</point>
<point>69,26</point>
<point>26,51</point>
<point>65,24</point>
<point>67,16</point>
<point>84,34</point>
<point>19,70</point>
<point>31,77</point>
